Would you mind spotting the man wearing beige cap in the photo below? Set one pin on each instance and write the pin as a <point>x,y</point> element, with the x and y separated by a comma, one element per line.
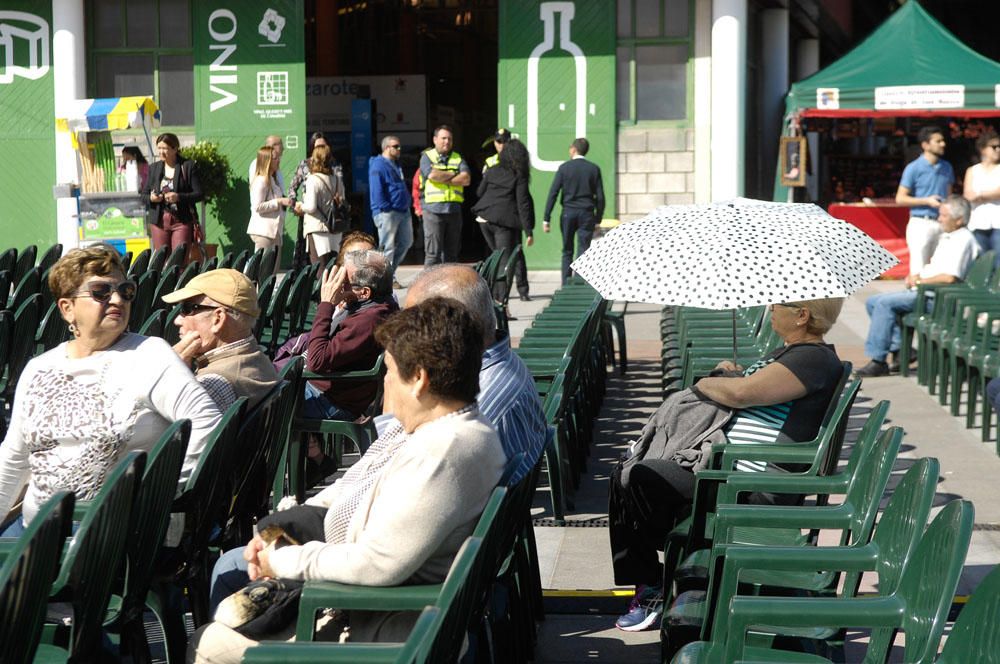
<point>218,311</point>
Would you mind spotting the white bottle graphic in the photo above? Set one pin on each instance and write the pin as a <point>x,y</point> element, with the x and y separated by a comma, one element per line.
<point>131,176</point>
<point>548,12</point>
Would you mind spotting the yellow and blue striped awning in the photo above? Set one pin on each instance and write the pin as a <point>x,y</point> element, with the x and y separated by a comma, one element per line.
<point>110,114</point>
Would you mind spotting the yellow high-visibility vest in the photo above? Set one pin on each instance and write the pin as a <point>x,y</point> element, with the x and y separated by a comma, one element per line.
<point>443,192</point>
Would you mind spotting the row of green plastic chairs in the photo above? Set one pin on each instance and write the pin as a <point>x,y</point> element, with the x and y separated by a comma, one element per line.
<point>747,582</point>
<point>115,567</point>
<point>958,342</point>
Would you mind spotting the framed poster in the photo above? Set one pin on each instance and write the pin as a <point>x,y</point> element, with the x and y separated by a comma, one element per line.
<point>793,161</point>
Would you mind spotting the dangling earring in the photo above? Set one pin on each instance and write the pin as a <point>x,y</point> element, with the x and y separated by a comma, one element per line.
<point>73,330</point>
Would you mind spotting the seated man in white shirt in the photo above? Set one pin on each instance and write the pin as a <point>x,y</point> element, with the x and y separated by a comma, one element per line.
<point>956,250</point>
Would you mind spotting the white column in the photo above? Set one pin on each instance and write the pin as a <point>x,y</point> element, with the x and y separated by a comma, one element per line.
<point>703,101</point>
<point>69,76</point>
<point>774,84</point>
<point>806,58</point>
<point>729,25</point>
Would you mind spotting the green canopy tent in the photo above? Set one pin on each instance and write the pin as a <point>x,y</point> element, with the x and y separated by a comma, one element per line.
<point>910,66</point>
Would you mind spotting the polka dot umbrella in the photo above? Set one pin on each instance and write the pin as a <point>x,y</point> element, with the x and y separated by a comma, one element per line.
<point>738,253</point>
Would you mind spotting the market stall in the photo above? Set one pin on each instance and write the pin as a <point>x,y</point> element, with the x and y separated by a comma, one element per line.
<point>860,117</point>
<point>109,208</point>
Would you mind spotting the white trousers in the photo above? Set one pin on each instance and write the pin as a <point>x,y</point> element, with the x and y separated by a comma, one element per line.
<point>921,239</point>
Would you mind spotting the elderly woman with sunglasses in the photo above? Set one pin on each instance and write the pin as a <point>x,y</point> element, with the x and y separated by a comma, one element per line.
<point>781,398</point>
<point>81,406</point>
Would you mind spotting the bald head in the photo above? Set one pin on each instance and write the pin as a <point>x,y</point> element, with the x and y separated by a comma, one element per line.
<point>461,283</point>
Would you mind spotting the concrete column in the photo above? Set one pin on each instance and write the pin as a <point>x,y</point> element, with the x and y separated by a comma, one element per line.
<point>806,58</point>
<point>729,26</point>
<point>69,74</point>
<point>774,85</point>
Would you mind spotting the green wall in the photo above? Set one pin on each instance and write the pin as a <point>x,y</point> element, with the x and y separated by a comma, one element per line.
<point>27,133</point>
<point>249,83</point>
<point>561,110</point>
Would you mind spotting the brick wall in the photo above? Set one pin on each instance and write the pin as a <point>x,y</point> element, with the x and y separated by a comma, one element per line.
<point>655,167</point>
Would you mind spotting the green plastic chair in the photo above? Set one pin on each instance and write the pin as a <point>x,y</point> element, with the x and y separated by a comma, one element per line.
<point>251,268</point>
<point>167,284</point>
<point>94,558</point>
<point>29,284</point>
<point>142,304</point>
<point>769,526</point>
<point>25,262</point>
<point>8,259</point>
<point>150,517</point>
<point>22,345</point>
<point>139,264</point>
<point>49,258</point>
<point>178,257</point>
<point>810,571</point>
<point>158,260</point>
<point>239,262</point>
<point>413,651</point>
<point>192,270</point>
<point>274,317</point>
<point>29,566</point>
<point>918,607</point>
<point>52,331</point>
<point>973,637</point>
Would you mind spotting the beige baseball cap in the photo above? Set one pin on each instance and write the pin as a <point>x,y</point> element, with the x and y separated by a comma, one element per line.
<point>229,288</point>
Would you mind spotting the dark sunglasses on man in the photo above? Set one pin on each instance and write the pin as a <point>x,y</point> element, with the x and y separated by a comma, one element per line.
<point>102,291</point>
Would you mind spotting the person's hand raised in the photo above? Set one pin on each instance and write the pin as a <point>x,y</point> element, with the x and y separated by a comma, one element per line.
<point>334,285</point>
<point>189,347</point>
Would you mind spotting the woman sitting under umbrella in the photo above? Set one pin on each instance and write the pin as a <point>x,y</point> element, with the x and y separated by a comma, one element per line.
<point>781,398</point>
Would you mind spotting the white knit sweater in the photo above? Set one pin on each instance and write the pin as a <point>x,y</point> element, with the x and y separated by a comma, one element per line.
<point>73,419</point>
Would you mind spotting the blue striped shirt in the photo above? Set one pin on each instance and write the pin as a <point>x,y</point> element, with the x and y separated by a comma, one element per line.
<point>509,399</point>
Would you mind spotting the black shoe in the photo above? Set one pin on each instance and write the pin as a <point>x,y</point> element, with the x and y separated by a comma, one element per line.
<point>317,471</point>
<point>525,297</point>
<point>894,364</point>
<point>873,369</point>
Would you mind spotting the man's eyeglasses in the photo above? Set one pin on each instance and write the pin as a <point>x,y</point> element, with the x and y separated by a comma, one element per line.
<point>188,307</point>
<point>395,147</point>
<point>102,291</point>
<point>995,147</point>
<point>787,306</point>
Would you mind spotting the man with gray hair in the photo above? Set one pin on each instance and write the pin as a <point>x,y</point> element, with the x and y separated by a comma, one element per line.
<point>218,312</point>
<point>354,299</point>
<point>956,249</point>
<point>507,397</point>
<point>390,202</point>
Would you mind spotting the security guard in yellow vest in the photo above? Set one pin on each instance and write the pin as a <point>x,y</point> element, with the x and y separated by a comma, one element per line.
<point>445,176</point>
<point>499,139</point>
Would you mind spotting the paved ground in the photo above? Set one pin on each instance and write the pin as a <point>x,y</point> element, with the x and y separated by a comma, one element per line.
<point>576,558</point>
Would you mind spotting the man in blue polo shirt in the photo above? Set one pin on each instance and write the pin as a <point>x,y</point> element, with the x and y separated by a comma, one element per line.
<point>926,181</point>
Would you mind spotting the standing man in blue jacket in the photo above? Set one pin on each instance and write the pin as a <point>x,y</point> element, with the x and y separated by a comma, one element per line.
<point>390,202</point>
<point>582,202</point>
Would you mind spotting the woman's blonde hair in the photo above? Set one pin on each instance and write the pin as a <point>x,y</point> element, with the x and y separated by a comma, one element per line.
<point>822,313</point>
<point>319,162</point>
<point>70,271</point>
<point>264,156</point>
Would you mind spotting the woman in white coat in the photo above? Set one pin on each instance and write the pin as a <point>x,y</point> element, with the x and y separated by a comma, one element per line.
<point>267,205</point>
<point>324,189</point>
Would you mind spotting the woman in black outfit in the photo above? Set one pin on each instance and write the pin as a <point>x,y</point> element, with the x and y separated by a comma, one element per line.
<point>505,209</point>
<point>171,190</point>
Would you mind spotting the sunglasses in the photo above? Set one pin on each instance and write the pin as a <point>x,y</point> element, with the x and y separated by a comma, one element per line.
<point>395,147</point>
<point>102,291</point>
<point>188,307</point>
<point>782,304</point>
<point>995,147</point>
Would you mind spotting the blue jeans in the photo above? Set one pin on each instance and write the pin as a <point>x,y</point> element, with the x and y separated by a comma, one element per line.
<point>228,576</point>
<point>317,407</point>
<point>989,240</point>
<point>578,224</point>
<point>884,334</point>
<point>395,234</point>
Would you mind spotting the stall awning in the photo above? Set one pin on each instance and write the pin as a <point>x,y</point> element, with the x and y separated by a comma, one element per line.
<point>910,65</point>
<point>111,113</point>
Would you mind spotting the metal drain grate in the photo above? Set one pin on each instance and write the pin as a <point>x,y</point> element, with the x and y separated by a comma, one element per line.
<point>581,523</point>
<point>993,527</point>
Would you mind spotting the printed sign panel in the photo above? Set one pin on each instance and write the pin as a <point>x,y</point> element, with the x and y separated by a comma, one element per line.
<point>401,102</point>
<point>895,97</point>
<point>249,83</point>
<point>27,124</point>
<point>557,83</point>
<point>112,217</point>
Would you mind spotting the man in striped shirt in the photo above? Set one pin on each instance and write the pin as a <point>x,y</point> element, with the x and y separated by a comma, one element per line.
<point>507,394</point>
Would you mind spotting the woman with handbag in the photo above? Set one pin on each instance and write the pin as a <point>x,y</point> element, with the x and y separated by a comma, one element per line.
<point>324,224</point>
<point>171,191</point>
<point>267,205</point>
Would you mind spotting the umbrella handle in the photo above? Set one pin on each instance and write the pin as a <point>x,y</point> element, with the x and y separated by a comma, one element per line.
<point>735,363</point>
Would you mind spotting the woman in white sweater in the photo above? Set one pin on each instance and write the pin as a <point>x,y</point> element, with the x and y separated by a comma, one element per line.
<point>416,511</point>
<point>81,406</point>
<point>267,205</point>
<point>324,189</point>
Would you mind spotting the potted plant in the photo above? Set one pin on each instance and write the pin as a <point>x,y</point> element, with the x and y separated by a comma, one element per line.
<point>215,177</point>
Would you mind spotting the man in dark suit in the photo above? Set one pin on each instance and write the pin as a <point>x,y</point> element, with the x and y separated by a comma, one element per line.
<point>582,202</point>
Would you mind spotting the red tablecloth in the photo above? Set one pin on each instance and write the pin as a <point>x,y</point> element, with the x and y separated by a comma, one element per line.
<point>886,224</point>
